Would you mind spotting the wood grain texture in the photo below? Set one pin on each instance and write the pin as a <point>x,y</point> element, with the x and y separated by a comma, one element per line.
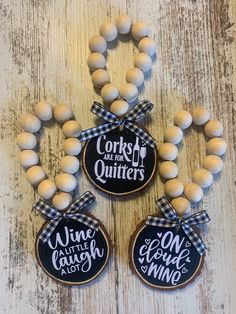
<point>43,52</point>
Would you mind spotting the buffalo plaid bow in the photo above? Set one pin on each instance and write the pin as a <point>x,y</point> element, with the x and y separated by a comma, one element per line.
<point>172,220</point>
<point>72,213</point>
<point>113,122</point>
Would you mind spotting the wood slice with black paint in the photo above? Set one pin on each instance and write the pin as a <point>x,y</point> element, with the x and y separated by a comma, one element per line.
<point>74,254</point>
<point>119,162</point>
<point>164,258</point>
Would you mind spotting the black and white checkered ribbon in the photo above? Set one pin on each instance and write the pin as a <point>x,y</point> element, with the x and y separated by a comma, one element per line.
<point>172,220</point>
<point>72,213</point>
<point>113,122</point>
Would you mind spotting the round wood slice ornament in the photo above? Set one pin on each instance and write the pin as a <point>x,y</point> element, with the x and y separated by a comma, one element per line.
<point>119,157</point>
<point>166,252</point>
<point>73,247</point>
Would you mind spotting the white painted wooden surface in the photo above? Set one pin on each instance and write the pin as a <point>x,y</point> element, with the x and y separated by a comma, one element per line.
<point>43,52</point>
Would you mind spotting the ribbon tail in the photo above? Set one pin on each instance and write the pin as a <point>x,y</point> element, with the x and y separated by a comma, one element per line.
<point>138,131</point>
<point>48,230</point>
<point>194,238</point>
<point>97,130</point>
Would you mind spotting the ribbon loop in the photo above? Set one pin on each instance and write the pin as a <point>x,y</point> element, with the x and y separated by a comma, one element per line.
<point>102,112</point>
<point>198,218</point>
<point>72,213</point>
<point>167,209</point>
<point>82,202</point>
<point>113,122</point>
<point>139,110</point>
<point>172,220</point>
<point>46,210</point>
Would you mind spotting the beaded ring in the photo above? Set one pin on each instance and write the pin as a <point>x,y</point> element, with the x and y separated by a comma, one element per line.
<point>128,92</point>
<point>65,182</point>
<point>212,164</point>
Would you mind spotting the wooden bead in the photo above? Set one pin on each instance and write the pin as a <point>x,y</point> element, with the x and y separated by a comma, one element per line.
<point>147,45</point>
<point>173,135</point>
<point>46,189</point>
<point>123,24</point>
<point>135,76</point>
<point>96,60</point>
<point>65,182</point>
<point>97,43</point>
<point>119,107</point>
<point>71,128</point>
<point>216,146</point>
<point>139,30</point>
<point>28,158</point>
<point>193,192</point>
<point>129,92</point>
<point>173,188</point>
<point>181,205</point>
<point>183,119</point>
<point>109,93</point>
<point>69,164</point>
<point>43,111</point>
<point>100,77</point>
<point>203,178</point>
<point>213,163</point>
<point>61,200</point>
<point>26,140</point>
<point>213,128</point>
<point>200,116</point>
<point>108,30</point>
<point>72,146</point>
<point>35,175</point>
<point>30,123</point>
<point>168,170</point>
<point>62,113</point>
<point>168,151</point>
<point>142,61</point>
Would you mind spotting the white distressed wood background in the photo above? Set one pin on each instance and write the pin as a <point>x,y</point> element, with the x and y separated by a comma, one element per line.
<point>43,52</point>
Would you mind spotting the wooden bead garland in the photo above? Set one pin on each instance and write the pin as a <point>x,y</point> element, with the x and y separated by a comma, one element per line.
<point>72,146</point>
<point>28,158</point>
<point>109,92</point>
<point>35,175</point>
<point>97,43</point>
<point>30,123</point>
<point>26,140</point>
<point>123,24</point>
<point>168,170</point>
<point>61,200</point>
<point>62,113</point>
<point>43,111</point>
<point>47,189</point>
<point>134,76</point>
<point>212,164</point>
<point>182,205</point>
<point>69,164</point>
<point>96,61</point>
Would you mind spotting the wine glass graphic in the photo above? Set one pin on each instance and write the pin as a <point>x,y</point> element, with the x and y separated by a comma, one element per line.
<point>143,153</point>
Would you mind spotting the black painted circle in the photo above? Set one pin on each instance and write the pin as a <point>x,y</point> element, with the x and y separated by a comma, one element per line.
<point>78,255</point>
<point>119,162</point>
<point>164,257</point>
